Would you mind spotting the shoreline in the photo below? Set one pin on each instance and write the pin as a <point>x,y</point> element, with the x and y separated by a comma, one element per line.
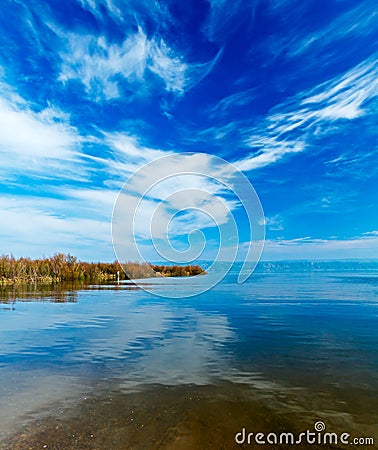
<point>62,268</point>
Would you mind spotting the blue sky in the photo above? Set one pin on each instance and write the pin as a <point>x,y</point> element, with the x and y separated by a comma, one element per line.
<point>286,90</point>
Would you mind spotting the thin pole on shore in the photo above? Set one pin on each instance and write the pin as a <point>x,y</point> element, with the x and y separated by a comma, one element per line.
<point>118,276</point>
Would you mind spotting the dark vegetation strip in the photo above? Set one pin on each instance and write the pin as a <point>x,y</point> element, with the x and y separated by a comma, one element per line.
<point>63,268</point>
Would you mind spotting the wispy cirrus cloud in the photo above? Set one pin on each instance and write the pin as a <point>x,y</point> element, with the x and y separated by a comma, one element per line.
<point>318,42</point>
<point>274,223</point>
<point>363,246</point>
<point>126,11</point>
<point>344,97</point>
<point>233,102</point>
<point>139,61</point>
<point>127,154</point>
<point>31,140</point>
<point>271,150</point>
<point>291,127</point>
<point>110,6</point>
<point>99,66</point>
<point>221,20</point>
<point>355,165</point>
<point>356,22</point>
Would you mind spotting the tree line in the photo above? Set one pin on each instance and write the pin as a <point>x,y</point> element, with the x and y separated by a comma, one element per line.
<point>178,271</point>
<point>62,267</point>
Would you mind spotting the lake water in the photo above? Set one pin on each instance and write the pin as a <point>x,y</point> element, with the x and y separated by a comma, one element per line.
<point>110,367</point>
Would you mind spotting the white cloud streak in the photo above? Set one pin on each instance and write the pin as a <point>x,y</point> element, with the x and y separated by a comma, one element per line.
<point>364,246</point>
<point>180,182</point>
<point>236,100</point>
<point>358,21</point>
<point>139,61</point>
<point>221,21</point>
<point>32,226</point>
<point>320,45</point>
<point>128,11</point>
<point>31,141</point>
<point>128,155</point>
<point>292,126</point>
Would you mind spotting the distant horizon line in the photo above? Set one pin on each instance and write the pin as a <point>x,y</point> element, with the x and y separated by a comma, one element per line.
<point>161,262</point>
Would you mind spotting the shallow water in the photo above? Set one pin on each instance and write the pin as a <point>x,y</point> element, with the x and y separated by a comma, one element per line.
<point>115,367</point>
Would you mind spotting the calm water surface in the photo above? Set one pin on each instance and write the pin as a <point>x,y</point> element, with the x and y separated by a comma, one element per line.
<point>113,367</point>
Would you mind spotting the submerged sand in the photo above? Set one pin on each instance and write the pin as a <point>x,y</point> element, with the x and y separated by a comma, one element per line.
<point>180,417</point>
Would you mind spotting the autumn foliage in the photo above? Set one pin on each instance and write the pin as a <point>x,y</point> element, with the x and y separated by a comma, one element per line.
<point>178,271</point>
<point>61,268</point>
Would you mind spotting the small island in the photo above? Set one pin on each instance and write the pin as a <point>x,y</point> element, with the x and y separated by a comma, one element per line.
<point>67,268</point>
